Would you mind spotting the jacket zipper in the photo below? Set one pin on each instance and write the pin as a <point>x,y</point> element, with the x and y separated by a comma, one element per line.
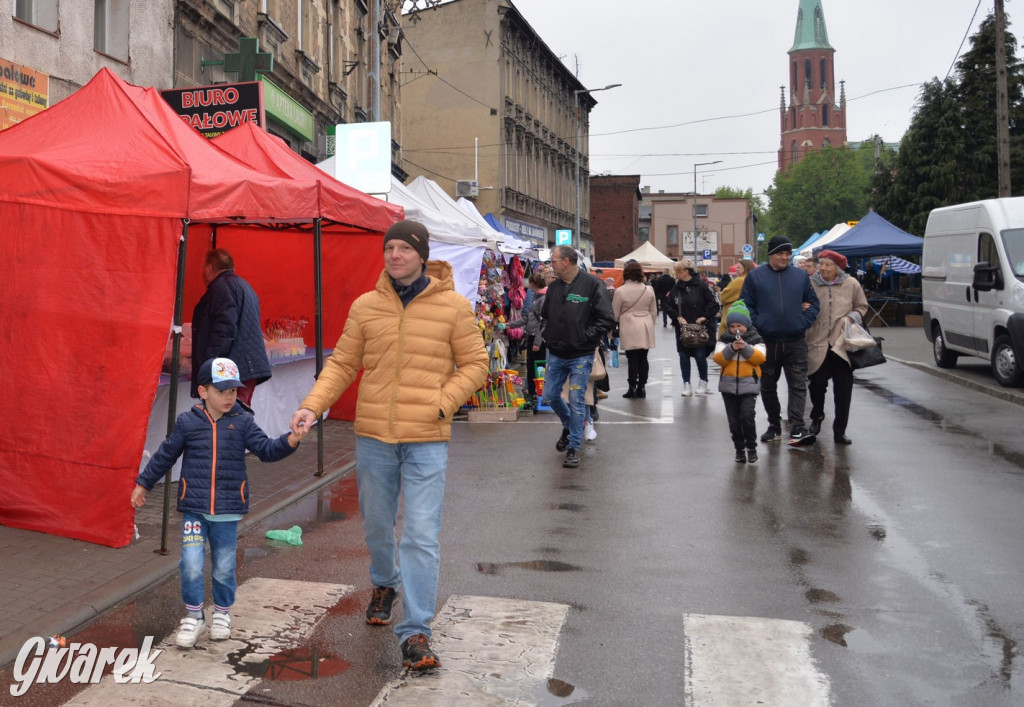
<point>213,464</point>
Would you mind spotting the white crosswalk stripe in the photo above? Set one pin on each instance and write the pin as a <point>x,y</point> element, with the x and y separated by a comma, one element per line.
<point>745,660</point>
<point>493,651</point>
<point>269,616</point>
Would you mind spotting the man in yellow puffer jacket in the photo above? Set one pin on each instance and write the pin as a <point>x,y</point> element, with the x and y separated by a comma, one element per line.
<point>422,357</point>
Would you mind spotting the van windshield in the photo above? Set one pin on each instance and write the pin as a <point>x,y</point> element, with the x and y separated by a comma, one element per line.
<point>1013,243</point>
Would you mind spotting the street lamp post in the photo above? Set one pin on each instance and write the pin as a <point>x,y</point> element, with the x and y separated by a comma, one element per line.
<point>579,139</point>
<point>698,164</point>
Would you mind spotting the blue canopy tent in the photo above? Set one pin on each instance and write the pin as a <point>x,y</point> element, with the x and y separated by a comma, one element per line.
<point>873,235</point>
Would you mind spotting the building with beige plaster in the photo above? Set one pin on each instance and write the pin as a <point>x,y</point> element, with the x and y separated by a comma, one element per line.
<point>325,61</point>
<point>723,227</point>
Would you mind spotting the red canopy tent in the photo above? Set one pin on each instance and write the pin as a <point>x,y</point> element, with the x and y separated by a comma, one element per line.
<point>97,194</point>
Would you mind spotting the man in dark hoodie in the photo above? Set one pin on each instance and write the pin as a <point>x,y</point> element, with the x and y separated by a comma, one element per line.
<point>576,313</point>
<point>783,307</point>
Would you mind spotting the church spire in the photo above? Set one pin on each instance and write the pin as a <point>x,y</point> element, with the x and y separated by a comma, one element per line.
<point>810,27</point>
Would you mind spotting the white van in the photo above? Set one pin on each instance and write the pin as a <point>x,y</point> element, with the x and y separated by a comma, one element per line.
<point>973,285</point>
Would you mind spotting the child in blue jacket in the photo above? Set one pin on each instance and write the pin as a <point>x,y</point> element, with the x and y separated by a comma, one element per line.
<point>212,490</point>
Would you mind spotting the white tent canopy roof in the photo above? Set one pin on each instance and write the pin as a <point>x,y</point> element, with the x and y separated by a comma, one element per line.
<point>647,255</point>
<point>833,233</point>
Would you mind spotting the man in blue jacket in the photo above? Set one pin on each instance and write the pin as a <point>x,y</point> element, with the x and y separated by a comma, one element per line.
<point>783,307</point>
<point>576,314</point>
<point>226,324</point>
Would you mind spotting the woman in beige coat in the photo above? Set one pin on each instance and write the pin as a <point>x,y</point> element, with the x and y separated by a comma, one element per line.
<point>636,311</point>
<point>841,298</point>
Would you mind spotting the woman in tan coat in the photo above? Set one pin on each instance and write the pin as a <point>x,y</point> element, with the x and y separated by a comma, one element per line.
<point>636,311</point>
<point>841,298</point>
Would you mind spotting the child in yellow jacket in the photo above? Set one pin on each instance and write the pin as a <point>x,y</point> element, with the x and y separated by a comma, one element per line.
<point>740,352</point>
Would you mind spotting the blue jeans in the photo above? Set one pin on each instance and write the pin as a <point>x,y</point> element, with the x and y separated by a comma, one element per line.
<point>417,470</point>
<point>701,356</point>
<point>223,539</point>
<point>577,371</point>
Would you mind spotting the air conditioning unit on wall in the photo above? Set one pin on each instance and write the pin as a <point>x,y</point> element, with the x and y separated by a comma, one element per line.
<point>467,188</point>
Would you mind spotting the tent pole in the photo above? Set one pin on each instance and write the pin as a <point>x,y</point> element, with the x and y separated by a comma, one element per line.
<point>172,393</point>
<point>318,325</point>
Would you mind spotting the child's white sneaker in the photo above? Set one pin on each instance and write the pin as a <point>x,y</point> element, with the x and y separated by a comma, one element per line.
<point>189,631</point>
<point>220,626</point>
<point>589,432</point>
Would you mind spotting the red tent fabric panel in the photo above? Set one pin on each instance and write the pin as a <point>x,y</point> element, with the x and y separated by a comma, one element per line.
<point>88,300</point>
<point>112,147</point>
<point>279,266</point>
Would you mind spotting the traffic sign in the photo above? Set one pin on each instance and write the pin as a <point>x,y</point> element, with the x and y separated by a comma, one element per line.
<point>707,255</point>
<point>747,248</point>
<point>760,237</point>
<point>563,236</point>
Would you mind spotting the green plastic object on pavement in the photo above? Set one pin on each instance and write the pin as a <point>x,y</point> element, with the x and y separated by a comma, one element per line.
<point>292,536</point>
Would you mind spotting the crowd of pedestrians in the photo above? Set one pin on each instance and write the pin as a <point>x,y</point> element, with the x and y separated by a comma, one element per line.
<point>418,347</point>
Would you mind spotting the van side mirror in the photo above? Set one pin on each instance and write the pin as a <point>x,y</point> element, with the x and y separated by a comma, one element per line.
<point>987,277</point>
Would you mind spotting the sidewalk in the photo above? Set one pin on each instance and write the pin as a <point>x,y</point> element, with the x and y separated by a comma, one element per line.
<point>54,585</point>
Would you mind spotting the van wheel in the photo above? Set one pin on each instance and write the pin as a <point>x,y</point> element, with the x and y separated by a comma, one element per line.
<point>1005,366</point>
<point>944,358</point>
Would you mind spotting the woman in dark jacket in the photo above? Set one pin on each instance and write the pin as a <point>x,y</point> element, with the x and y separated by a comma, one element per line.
<point>692,301</point>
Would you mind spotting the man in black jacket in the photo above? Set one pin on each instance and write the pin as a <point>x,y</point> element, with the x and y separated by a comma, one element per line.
<point>576,313</point>
<point>662,286</point>
<point>226,323</point>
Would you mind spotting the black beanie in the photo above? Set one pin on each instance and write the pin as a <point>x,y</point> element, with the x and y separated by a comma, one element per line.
<point>777,244</point>
<point>413,233</point>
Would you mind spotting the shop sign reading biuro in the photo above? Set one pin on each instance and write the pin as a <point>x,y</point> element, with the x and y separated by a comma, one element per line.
<point>213,110</point>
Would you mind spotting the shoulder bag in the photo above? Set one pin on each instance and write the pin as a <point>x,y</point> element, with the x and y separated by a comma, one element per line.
<point>693,336</point>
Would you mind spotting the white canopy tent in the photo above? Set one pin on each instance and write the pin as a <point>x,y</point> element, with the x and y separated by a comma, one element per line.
<point>647,255</point>
<point>833,233</point>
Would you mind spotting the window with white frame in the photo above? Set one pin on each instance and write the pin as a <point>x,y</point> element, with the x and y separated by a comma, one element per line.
<point>700,210</point>
<point>111,20</point>
<point>41,13</point>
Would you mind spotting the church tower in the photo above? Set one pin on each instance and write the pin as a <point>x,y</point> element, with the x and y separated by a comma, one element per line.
<point>814,117</point>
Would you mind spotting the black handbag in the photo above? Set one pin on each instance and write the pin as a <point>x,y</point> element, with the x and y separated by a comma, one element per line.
<point>864,358</point>
<point>693,336</point>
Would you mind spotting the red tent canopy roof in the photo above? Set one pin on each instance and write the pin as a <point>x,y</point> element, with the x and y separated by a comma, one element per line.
<point>115,148</point>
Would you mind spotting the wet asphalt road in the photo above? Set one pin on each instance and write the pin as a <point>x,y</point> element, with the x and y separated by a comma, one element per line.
<point>902,552</point>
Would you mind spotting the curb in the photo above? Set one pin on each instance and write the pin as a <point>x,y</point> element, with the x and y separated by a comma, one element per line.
<point>1006,394</point>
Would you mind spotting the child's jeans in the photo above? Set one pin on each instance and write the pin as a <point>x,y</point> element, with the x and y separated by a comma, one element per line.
<point>741,411</point>
<point>223,539</point>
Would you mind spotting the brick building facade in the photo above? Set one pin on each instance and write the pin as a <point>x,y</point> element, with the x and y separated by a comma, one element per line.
<point>614,215</point>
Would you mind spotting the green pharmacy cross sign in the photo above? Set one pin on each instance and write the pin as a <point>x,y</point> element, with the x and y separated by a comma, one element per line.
<point>248,60</point>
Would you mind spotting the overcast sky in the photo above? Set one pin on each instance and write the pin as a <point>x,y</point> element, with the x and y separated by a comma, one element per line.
<point>693,63</point>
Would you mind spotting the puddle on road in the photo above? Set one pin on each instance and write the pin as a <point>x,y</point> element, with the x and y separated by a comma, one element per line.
<point>303,663</point>
<point>537,565</point>
<point>555,692</point>
<point>567,506</point>
<point>817,596</point>
<point>1012,456</point>
<point>836,633</point>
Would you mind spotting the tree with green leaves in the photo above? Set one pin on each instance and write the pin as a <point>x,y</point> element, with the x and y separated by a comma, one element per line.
<point>825,188</point>
<point>949,154</point>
